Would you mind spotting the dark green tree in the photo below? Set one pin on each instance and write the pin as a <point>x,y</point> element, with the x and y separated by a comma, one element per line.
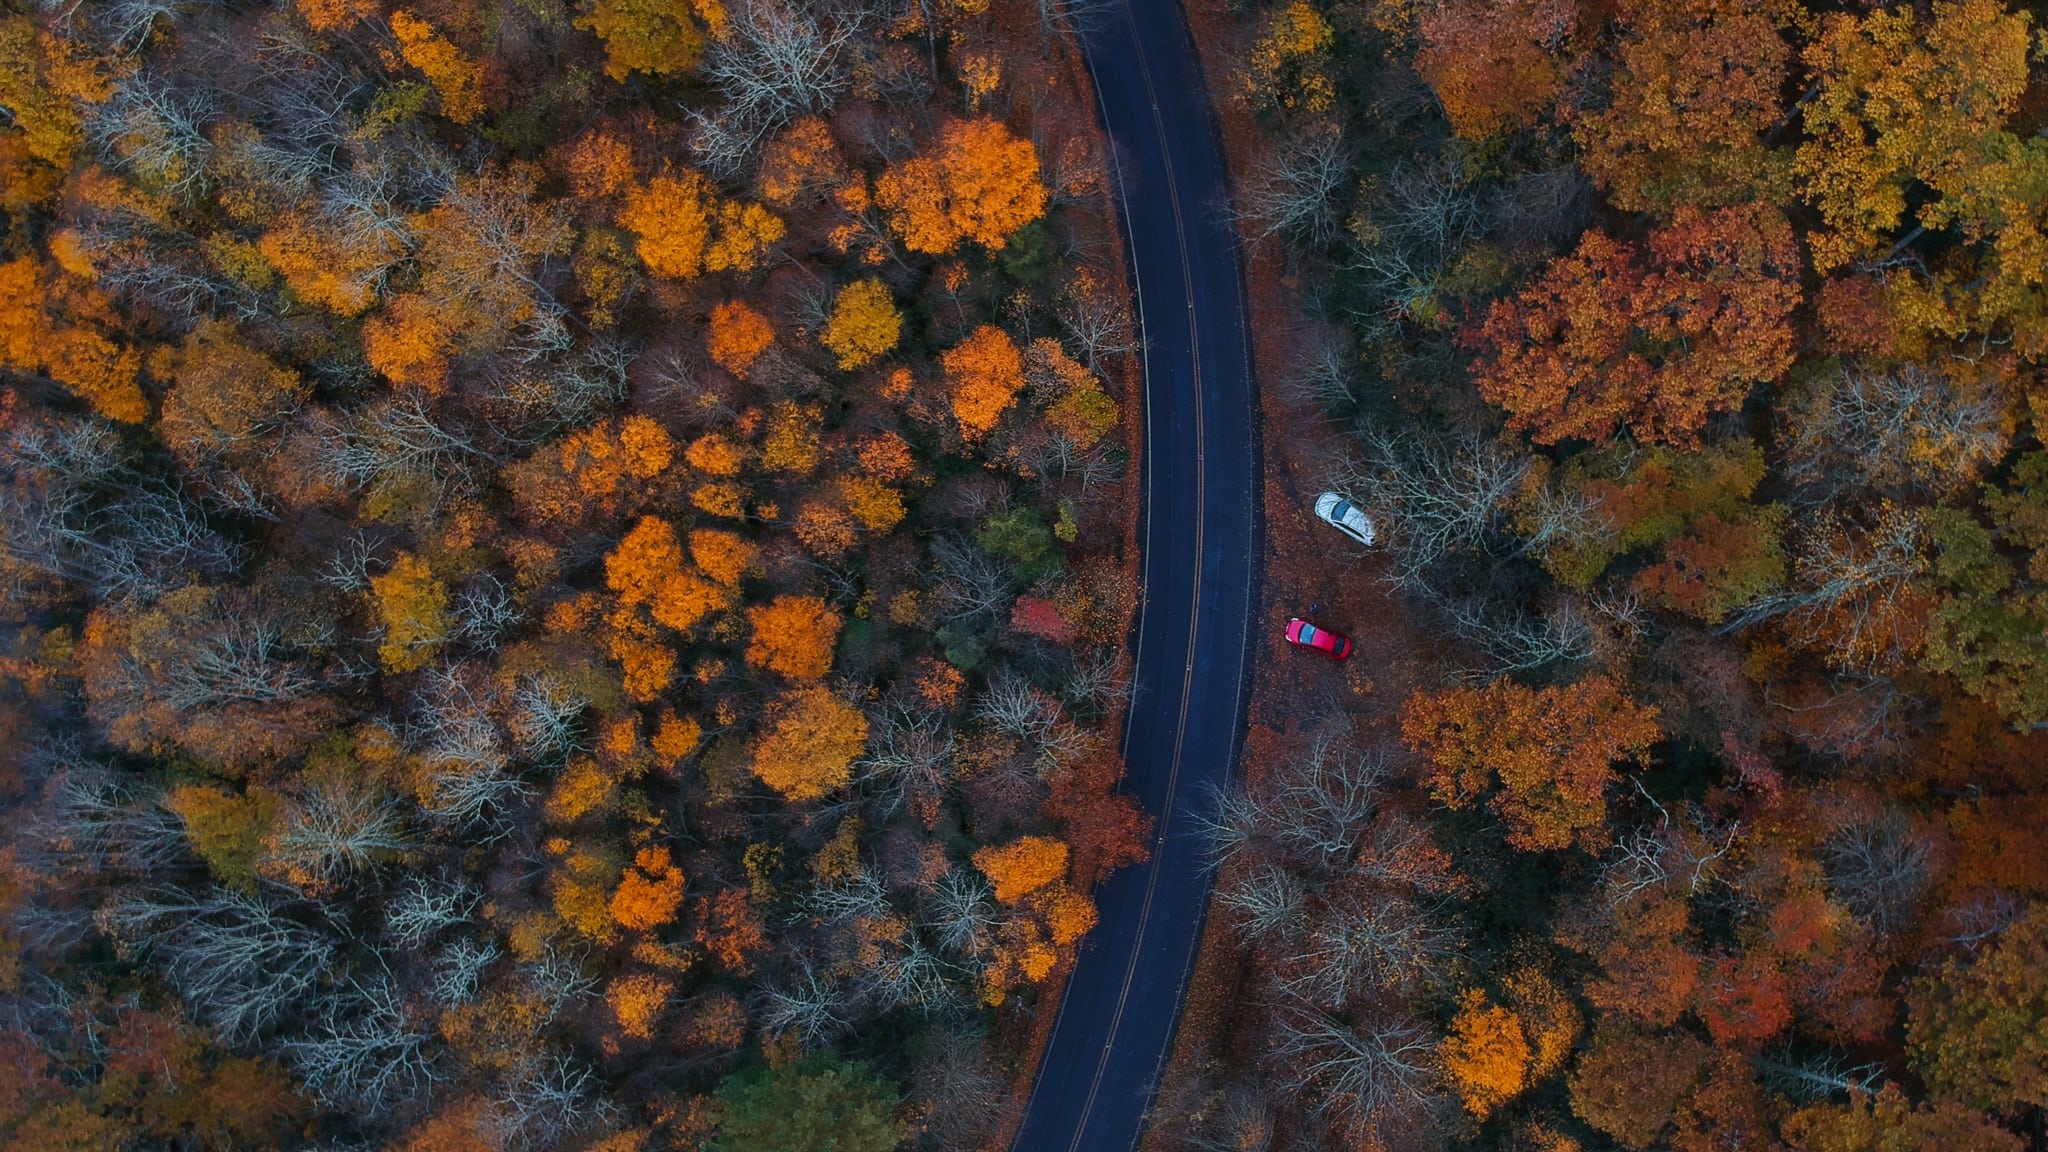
<point>821,1104</point>
<point>1022,535</point>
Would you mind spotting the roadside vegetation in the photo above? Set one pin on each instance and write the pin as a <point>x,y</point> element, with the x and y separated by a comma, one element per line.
<point>566,571</point>
<point>1687,355</point>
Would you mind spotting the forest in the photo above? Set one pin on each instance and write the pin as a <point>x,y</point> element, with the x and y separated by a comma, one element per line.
<point>1688,353</point>
<point>566,570</point>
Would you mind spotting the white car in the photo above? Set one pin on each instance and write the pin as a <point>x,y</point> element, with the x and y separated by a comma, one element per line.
<point>1345,517</point>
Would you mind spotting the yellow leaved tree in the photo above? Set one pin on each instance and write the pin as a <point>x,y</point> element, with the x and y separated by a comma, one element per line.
<point>807,747</point>
<point>412,604</point>
<point>864,326</point>
<point>660,37</point>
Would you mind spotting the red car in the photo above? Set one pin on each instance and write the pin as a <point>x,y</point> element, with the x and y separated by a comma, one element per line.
<point>1307,635</point>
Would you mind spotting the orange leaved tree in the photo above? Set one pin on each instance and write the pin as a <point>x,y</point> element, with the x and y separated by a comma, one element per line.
<point>1545,757</point>
<point>456,78</point>
<point>649,893</point>
<point>226,393</point>
<point>986,371</point>
<point>646,570</point>
<point>1023,866</point>
<point>981,184</point>
<point>654,590</point>
<point>1487,1054</point>
<point>1657,340</point>
<point>1696,91</point>
<point>793,635</point>
<point>737,337</point>
<point>684,230</point>
<point>724,556</point>
<point>1495,64</point>
<point>636,1002</point>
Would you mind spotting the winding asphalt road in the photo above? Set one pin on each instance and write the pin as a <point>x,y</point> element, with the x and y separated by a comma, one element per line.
<point>1200,541</point>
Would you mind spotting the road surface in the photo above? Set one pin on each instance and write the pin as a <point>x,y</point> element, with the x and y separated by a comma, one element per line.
<point>1200,541</point>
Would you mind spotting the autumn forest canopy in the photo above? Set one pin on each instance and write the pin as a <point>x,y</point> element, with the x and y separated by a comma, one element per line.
<point>568,566</point>
<point>1691,355</point>
<point>566,570</point>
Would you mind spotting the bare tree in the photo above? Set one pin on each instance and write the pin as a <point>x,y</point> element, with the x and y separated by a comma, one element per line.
<point>338,824</point>
<point>1518,640</point>
<point>241,965</point>
<point>1435,498</point>
<point>859,898</point>
<point>1407,233</point>
<point>911,976</point>
<point>1982,918</point>
<point>468,765</point>
<point>1910,427</point>
<point>546,712</point>
<point>973,588</point>
<point>1293,193</point>
<point>552,396</point>
<point>1098,679</point>
<point>1365,1078</point>
<point>400,441</point>
<point>1813,1078</point>
<point>156,133</point>
<point>424,908</point>
<point>1340,896</point>
<point>485,611</point>
<point>1543,212</point>
<point>1853,581</point>
<point>781,59</point>
<point>1266,899</point>
<point>240,657</point>
<point>1879,866</point>
<point>85,519</point>
<point>349,569</point>
<point>94,821</point>
<point>1360,942</point>
<point>911,750</point>
<point>1235,1120</point>
<point>1323,370</point>
<point>1316,807</point>
<point>1012,705</point>
<point>367,1053</point>
<point>545,1098</point>
<point>1096,315</point>
<point>558,978</point>
<point>698,398</point>
<point>459,969</point>
<point>960,913</point>
<point>808,1005</point>
<point>965,1091</point>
